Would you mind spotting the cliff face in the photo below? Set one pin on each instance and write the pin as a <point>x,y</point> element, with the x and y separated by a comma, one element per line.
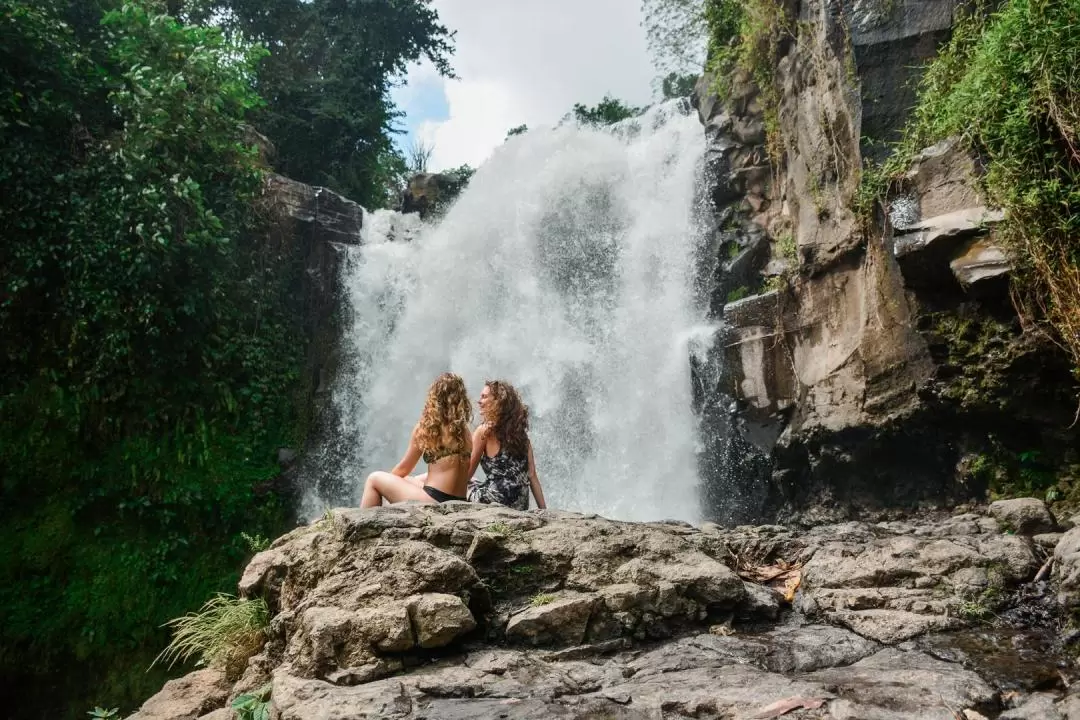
<point>877,356</point>
<point>311,226</point>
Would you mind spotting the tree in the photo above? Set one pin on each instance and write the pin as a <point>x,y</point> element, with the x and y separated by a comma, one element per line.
<point>675,85</point>
<point>463,173</point>
<point>151,344</point>
<point>676,31</point>
<point>518,130</point>
<point>419,156</point>
<point>327,81</point>
<point>607,112</point>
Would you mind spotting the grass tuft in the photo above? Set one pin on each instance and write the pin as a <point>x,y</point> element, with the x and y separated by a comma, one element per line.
<point>541,599</point>
<point>224,633</point>
<point>1006,85</point>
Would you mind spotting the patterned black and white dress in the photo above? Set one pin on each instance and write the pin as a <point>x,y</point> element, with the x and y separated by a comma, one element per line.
<point>506,481</point>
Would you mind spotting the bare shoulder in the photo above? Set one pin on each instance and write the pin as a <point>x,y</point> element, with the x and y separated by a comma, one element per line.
<point>482,431</point>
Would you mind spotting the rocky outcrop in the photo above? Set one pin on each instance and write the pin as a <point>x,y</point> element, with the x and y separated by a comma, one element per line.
<point>1067,568</point>
<point>307,231</point>
<point>193,696</point>
<point>943,229</point>
<point>428,193</point>
<point>1024,516</point>
<point>866,353</point>
<point>309,227</point>
<point>889,42</point>
<point>467,611</point>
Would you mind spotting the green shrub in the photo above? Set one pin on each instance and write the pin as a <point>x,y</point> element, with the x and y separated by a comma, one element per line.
<point>738,294</point>
<point>152,345</point>
<point>745,35</point>
<point>1006,84</point>
<point>254,705</point>
<point>224,633</point>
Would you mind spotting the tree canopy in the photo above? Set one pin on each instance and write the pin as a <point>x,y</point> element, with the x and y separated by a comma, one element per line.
<point>608,111</point>
<point>327,82</point>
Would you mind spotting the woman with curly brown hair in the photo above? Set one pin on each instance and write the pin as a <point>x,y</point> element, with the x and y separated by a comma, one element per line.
<point>441,437</point>
<point>501,446</point>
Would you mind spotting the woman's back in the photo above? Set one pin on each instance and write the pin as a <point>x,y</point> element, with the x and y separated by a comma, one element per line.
<point>501,447</point>
<point>448,465</point>
<point>506,478</point>
<point>441,437</point>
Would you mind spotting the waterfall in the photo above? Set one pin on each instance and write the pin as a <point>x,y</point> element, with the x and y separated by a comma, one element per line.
<point>566,268</point>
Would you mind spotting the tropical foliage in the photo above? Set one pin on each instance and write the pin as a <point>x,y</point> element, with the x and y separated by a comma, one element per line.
<point>1007,85</point>
<point>153,343</point>
<point>327,82</point>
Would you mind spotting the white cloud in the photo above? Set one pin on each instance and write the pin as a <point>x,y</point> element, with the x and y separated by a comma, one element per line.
<point>529,61</point>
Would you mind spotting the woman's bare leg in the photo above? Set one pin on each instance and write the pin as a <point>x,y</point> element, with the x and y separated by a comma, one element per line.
<point>418,480</point>
<point>380,485</point>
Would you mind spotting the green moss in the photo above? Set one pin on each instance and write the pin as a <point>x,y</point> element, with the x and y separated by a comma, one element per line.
<point>738,294</point>
<point>978,354</point>
<point>786,248</point>
<point>776,282</point>
<point>817,196</point>
<point>983,606</point>
<point>974,611</point>
<point>502,529</point>
<point>1010,474</point>
<point>745,36</point>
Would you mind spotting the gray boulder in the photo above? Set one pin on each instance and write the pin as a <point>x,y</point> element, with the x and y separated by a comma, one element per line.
<point>1067,568</point>
<point>439,619</point>
<point>187,698</point>
<point>1025,516</point>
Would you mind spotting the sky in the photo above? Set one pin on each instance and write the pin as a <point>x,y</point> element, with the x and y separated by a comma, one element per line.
<point>522,62</point>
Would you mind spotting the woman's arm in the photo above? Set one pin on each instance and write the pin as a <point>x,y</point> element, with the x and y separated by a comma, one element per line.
<point>412,456</point>
<point>479,445</point>
<point>534,482</point>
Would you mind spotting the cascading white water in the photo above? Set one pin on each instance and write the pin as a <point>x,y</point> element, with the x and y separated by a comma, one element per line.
<point>566,269</point>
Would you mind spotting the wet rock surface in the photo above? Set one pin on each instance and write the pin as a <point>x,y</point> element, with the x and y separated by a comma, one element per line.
<point>467,611</point>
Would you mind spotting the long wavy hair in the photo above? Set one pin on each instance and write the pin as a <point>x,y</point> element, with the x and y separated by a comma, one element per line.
<point>444,423</point>
<point>509,418</point>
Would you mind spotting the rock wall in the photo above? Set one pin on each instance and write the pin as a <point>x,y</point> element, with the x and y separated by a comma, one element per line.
<point>310,226</point>
<point>431,193</point>
<point>869,353</point>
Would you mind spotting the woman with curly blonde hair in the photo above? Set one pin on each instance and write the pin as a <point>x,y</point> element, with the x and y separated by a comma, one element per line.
<point>501,446</point>
<point>442,438</point>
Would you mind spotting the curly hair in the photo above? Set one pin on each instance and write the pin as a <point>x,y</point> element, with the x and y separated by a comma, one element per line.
<point>444,423</point>
<point>509,418</point>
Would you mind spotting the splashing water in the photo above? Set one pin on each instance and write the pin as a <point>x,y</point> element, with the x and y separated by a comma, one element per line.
<point>566,269</point>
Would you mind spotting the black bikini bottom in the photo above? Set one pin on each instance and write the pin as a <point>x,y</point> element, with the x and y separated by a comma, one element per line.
<point>439,496</point>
